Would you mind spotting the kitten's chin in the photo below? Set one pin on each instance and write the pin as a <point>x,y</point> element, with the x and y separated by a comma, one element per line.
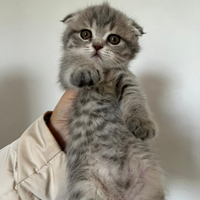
<point>97,58</point>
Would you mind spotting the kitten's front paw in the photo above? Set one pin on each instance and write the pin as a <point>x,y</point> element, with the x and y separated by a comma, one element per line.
<point>86,76</point>
<point>142,128</point>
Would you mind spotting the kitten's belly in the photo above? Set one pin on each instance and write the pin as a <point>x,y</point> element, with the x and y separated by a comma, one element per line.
<point>120,166</point>
<point>138,179</point>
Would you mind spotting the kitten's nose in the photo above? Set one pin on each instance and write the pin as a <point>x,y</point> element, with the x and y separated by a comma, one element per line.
<point>97,46</point>
<point>97,43</point>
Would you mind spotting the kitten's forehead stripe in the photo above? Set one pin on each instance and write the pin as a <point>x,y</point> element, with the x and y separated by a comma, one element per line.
<point>104,15</point>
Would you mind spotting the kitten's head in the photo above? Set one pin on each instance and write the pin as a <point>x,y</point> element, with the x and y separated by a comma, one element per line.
<point>102,34</point>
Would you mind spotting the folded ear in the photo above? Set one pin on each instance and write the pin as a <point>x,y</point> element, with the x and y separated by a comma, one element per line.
<point>68,18</point>
<point>138,30</point>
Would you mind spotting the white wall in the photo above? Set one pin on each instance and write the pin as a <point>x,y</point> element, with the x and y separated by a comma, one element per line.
<point>168,68</point>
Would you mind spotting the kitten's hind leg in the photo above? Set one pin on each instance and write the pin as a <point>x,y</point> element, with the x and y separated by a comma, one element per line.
<point>84,190</point>
<point>160,196</point>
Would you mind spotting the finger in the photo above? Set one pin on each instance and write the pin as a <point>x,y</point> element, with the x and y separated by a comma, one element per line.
<point>69,96</point>
<point>66,102</point>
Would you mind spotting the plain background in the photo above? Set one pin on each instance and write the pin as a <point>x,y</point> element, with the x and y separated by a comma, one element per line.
<point>168,69</point>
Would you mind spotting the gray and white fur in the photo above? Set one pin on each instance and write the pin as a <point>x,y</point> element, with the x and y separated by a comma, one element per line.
<point>107,155</point>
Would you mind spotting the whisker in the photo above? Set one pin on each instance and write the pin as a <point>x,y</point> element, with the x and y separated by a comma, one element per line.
<point>122,58</point>
<point>114,61</point>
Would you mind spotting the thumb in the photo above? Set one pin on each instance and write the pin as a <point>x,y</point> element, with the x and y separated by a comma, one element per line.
<point>66,102</point>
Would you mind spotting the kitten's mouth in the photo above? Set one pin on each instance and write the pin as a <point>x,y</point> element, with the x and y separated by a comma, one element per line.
<point>96,55</point>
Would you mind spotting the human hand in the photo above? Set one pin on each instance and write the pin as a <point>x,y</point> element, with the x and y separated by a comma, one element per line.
<point>58,123</point>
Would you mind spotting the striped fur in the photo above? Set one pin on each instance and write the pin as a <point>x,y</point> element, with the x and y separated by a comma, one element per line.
<point>108,157</point>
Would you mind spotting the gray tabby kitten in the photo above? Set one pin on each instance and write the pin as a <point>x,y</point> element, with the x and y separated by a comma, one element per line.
<point>108,157</point>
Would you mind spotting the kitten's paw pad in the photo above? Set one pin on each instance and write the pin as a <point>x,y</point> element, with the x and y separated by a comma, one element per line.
<point>85,77</point>
<point>143,128</point>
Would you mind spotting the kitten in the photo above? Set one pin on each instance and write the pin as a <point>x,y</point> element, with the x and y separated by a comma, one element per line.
<point>107,155</point>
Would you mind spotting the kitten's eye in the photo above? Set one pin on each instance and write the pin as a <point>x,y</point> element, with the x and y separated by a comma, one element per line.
<point>114,39</point>
<point>86,34</point>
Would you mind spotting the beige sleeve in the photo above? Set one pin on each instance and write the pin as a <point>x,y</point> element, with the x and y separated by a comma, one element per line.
<point>33,167</point>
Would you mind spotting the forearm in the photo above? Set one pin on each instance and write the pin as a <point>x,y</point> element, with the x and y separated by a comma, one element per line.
<point>132,99</point>
<point>32,165</point>
<point>79,71</point>
<point>135,112</point>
